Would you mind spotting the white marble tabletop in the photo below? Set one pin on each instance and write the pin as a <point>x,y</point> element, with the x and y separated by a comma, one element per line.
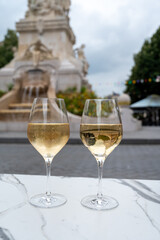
<point>136,218</point>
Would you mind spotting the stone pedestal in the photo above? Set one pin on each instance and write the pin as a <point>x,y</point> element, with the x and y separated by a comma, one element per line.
<point>130,124</point>
<point>56,34</point>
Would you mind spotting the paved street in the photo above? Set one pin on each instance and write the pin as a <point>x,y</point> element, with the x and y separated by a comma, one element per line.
<point>127,161</point>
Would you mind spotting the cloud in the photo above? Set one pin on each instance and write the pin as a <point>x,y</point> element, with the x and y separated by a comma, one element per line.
<point>11,12</point>
<point>113,31</point>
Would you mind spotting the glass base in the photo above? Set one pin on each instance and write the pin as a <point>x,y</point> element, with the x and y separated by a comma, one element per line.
<point>44,201</point>
<point>104,203</point>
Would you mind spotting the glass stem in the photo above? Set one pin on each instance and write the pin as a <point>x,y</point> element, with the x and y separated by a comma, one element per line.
<point>100,163</point>
<point>48,162</point>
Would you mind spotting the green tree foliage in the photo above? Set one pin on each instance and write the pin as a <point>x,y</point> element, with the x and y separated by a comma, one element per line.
<point>2,93</point>
<point>6,48</point>
<point>146,65</point>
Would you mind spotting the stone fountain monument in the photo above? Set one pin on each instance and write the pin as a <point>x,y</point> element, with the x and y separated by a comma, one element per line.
<point>44,63</point>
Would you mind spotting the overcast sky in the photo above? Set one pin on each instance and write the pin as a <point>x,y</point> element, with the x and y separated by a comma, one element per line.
<point>112,30</point>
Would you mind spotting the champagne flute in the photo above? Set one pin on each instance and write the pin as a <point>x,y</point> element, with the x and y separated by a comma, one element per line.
<point>100,132</point>
<point>48,132</point>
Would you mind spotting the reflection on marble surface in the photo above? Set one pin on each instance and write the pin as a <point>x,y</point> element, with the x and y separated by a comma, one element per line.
<point>145,192</point>
<point>5,235</point>
<point>136,218</point>
<point>142,190</point>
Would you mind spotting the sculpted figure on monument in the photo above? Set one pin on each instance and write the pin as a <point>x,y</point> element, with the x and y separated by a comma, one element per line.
<point>57,7</point>
<point>66,6</point>
<point>44,7</point>
<point>35,5</point>
<point>82,58</point>
<point>37,52</point>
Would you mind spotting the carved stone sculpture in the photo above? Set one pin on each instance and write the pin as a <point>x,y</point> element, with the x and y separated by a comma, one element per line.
<point>37,52</point>
<point>66,6</point>
<point>82,58</point>
<point>45,7</point>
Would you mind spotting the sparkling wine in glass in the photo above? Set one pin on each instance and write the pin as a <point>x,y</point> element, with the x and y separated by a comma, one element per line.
<point>48,132</point>
<point>100,132</point>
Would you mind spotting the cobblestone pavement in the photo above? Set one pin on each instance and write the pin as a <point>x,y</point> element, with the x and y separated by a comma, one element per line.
<point>126,161</point>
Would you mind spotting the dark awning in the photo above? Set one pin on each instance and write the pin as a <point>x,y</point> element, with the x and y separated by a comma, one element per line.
<point>150,101</point>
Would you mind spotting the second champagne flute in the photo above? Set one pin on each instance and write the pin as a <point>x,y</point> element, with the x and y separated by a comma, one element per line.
<point>101,132</point>
<point>48,132</point>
